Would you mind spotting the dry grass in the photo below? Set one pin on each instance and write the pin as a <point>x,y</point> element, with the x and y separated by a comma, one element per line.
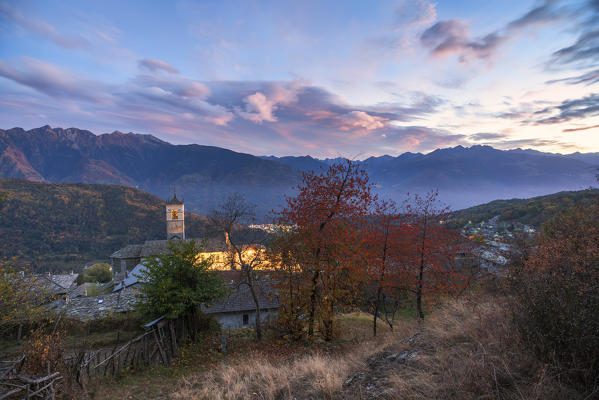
<point>315,374</point>
<point>465,350</point>
<point>470,350</point>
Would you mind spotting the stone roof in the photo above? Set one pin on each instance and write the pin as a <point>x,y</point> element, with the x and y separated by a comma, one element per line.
<point>129,251</point>
<point>152,248</point>
<point>78,291</point>
<point>124,299</point>
<point>131,278</point>
<point>64,280</point>
<point>95,307</point>
<point>240,299</point>
<point>57,284</point>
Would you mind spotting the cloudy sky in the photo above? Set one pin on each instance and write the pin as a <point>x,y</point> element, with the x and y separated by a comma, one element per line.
<point>325,78</point>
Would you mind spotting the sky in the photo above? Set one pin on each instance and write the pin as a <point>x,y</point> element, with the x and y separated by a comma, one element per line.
<point>321,78</point>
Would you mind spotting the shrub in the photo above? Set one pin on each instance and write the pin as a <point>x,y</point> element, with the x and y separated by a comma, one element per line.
<point>100,272</point>
<point>44,351</point>
<point>557,296</point>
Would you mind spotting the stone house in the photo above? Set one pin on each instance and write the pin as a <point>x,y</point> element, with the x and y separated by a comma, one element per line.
<point>236,311</point>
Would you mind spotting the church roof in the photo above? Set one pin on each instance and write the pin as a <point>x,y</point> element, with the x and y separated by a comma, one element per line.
<point>174,200</point>
<point>152,248</point>
<point>129,251</point>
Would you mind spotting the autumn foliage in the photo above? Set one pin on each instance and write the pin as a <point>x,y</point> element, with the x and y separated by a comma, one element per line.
<point>557,301</point>
<point>434,264</point>
<point>344,242</point>
<point>326,241</point>
<point>385,234</point>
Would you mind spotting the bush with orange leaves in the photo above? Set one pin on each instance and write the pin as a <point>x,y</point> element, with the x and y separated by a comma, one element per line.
<point>45,351</point>
<point>557,296</point>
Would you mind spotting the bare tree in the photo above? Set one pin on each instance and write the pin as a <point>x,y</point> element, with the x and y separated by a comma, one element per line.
<point>245,246</point>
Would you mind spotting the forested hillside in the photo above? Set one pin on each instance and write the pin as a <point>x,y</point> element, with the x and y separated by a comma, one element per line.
<point>63,226</point>
<point>533,211</point>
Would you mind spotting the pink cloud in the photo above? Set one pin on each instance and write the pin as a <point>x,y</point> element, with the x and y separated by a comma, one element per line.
<point>360,120</point>
<point>260,107</point>
<point>157,65</point>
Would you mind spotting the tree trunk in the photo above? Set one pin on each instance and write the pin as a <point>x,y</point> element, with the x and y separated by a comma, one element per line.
<point>328,322</point>
<point>421,272</point>
<point>419,294</point>
<point>313,302</point>
<point>376,310</point>
<point>250,283</point>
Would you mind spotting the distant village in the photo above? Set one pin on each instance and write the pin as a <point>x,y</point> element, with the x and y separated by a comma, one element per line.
<point>494,237</point>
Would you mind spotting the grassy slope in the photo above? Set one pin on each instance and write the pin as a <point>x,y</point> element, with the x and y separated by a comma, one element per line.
<point>465,350</point>
<point>160,382</point>
<point>532,211</point>
<point>61,226</point>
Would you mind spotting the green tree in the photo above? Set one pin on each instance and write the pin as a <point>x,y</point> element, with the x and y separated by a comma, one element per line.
<point>176,283</point>
<point>100,272</point>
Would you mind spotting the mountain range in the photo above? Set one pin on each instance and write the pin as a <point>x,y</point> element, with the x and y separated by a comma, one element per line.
<point>204,175</point>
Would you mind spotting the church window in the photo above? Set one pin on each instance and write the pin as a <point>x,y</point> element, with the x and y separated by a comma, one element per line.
<point>174,214</point>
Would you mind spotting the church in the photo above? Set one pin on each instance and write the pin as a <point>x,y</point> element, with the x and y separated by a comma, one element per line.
<point>124,260</point>
<point>236,311</point>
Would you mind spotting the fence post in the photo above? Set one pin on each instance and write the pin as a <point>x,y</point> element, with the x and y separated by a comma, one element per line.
<point>160,349</point>
<point>223,343</point>
<point>171,325</point>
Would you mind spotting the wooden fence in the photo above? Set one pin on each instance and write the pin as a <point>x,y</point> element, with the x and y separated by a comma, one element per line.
<point>15,385</point>
<point>157,345</point>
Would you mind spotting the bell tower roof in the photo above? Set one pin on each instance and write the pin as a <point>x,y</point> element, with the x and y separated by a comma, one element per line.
<point>174,200</point>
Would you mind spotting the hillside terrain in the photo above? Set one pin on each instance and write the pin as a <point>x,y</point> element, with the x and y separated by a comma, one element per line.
<point>533,211</point>
<point>205,175</point>
<point>63,226</point>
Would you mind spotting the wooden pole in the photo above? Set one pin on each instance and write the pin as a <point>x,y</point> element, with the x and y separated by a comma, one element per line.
<point>160,349</point>
<point>171,325</point>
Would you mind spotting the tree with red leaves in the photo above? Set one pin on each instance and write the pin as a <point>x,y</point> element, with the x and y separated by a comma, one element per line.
<point>324,215</point>
<point>383,234</point>
<point>433,264</point>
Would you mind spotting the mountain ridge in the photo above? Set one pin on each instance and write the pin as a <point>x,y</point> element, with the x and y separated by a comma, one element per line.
<point>205,175</point>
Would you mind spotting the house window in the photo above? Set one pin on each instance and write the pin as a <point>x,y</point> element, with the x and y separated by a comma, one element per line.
<point>246,319</point>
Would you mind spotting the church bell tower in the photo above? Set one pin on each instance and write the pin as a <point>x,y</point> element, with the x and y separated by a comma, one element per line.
<point>175,218</point>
